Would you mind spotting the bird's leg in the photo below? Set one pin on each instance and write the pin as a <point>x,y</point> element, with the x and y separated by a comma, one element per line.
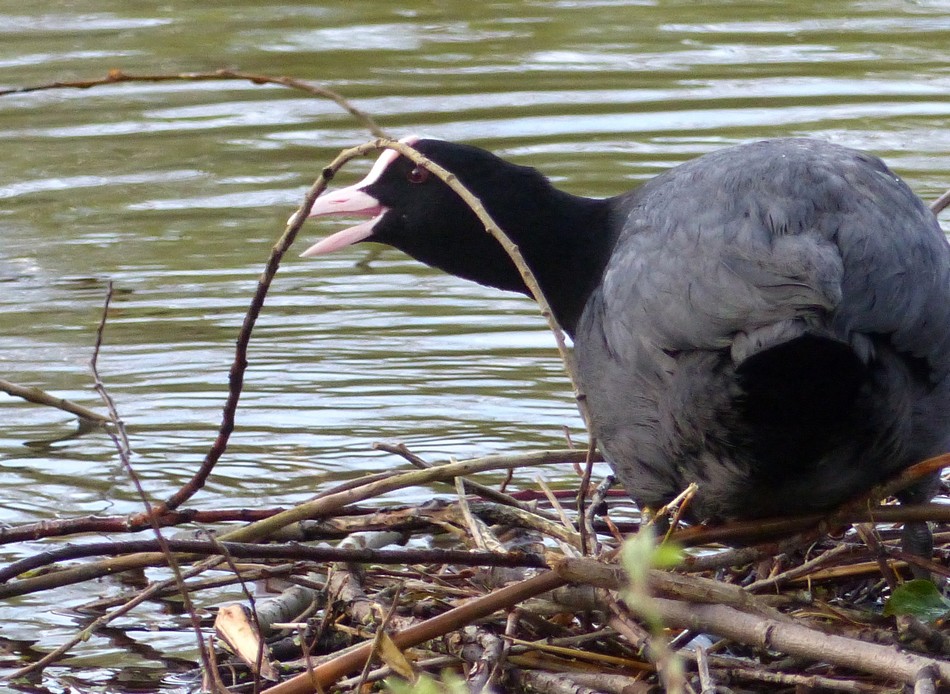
<point>917,537</point>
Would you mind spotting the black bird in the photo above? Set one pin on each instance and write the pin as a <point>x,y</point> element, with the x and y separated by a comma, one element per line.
<point>770,321</point>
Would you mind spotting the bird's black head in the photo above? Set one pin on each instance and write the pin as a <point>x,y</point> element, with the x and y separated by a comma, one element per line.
<point>413,210</point>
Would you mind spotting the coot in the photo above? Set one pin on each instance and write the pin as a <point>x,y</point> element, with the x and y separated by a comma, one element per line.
<point>770,321</point>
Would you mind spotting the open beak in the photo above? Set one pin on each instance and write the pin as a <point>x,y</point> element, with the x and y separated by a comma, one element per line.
<point>353,201</point>
<point>350,201</point>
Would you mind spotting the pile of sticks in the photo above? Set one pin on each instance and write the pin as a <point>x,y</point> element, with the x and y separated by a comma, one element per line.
<point>486,590</point>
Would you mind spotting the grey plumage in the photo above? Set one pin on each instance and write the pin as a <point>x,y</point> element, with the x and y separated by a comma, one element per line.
<point>734,254</point>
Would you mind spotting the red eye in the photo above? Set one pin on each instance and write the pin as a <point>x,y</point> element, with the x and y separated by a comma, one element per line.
<point>418,175</point>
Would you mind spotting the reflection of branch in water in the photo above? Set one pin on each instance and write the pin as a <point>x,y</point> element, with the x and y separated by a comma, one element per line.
<point>371,255</point>
<point>120,639</point>
<point>84,426</point>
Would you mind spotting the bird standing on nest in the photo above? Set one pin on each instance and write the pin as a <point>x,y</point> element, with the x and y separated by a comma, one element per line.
<point>770,321</point>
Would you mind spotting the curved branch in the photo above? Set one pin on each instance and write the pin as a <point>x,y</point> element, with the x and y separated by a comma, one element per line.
<point>513,252</point>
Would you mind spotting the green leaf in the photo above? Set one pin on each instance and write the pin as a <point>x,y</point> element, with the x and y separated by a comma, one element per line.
<point>667,556</point>
<point>919,598</point>
<point>449,683</point>
<point>641,553</point>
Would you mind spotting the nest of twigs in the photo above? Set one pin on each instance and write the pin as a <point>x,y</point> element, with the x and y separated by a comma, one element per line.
<point>489,591</point>
<point>803,615</point>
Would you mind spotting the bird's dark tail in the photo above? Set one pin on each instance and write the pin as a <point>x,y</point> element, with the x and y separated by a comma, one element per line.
<point>801,392</point>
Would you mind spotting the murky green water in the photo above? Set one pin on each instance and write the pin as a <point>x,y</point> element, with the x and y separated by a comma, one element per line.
<point>176,191</point>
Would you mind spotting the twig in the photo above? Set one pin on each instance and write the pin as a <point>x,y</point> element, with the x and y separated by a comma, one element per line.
<point>379,637</point>
<point>866,533</point>
<point>123,524</point>
<point>121,442</point>
<point>481,536</point>
<point>807,683</point>
<point>596,501</point>
<point>471,486</point>
<point>488,649</point>
<point>323,675</point>
<point>800,570</point>
<point>705,678</point>
<point>239,365</point>
<point>586,531</point>
<point>117,76</point>
<point>811,525</point>
<point>797,640</point>
<point>259,665</point>
<point>556,505</point>
<point>442,661</point>
<point>695,589</point>
<point>245,550</point>
<point>513,252</point>
<point>506,515</point>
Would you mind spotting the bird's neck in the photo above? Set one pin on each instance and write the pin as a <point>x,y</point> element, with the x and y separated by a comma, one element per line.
<point>565,242</point>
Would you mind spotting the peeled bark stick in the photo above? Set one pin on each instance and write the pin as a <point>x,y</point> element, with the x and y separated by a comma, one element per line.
<point>693,588</point>
<point>324,675</point>
<point>41,397</point>
<point>797,640</point>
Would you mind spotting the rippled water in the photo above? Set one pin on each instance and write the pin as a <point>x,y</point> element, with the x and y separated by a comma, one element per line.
<point>176,191</point>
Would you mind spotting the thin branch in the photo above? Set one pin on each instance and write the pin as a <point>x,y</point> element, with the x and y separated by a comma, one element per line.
<point>588,538</point>
<point>27,532</point>
<point>513,252</point>
<point>801,570</point>
<point>471,487</point>
<point>379,637</point>
<point>120,440</point>
<point>117,76</point>
<point>327,673</point>
<point>798,640</point>
<point>240,363</point>
<point>292,551</point>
